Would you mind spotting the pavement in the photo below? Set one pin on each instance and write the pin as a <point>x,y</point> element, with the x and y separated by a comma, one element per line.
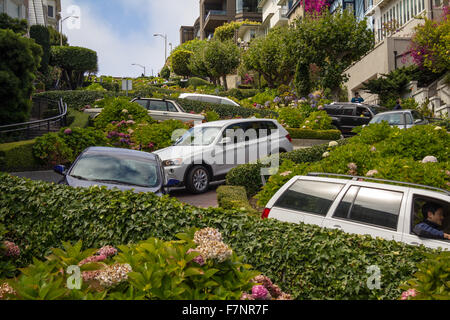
<point>205,200</point>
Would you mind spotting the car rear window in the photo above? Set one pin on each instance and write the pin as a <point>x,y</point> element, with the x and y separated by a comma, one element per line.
<point>371,206</point>
<point>310,196</point>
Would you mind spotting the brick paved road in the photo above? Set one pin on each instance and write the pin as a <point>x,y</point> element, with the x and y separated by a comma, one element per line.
<point>205,200</point>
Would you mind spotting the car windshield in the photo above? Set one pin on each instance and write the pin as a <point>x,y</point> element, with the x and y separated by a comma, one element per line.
<point>198,136</point>
<point>376,110</point>
<point>118,169</point>
<point>391,118</point>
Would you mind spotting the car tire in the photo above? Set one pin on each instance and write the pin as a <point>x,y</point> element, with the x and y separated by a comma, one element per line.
<point>198,179</point>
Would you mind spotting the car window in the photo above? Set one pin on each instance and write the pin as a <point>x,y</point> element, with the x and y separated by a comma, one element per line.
<point>171,107</point>
<point>347,111</point>
<point>409,118</point>
<point>418,216</point>
<point>143,103</point>
<point>416,115</point>
<point>310,196</point>
<point>362,111</point>
<point>269,126</point>
<point>250,131</point>
<point>391,118</point>
<point>372,206</point>
<point>156,105</point>
<point>211,100</point>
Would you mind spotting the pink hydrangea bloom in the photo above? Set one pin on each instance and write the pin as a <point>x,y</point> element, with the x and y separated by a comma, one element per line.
<point>408,293</point>
<point>260,293</point>
<point>198,259</point>
<point>107,251</point>
<point>11,249</point>
<point>92,259</point>
<point>246,296</point>
<point>68,131</point>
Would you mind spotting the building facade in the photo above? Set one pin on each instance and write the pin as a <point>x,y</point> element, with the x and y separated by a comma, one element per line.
<point>43,12</point>
<point>17,9</point>
<point>274,14</point>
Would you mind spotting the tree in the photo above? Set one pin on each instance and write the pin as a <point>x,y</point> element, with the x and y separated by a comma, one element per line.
<point>55,37</point>
<point>180,62</point>
<point>16,25</point>
<point>74,62</point>
<point>430,46</point>
<point>165,72</point>
<point>197,64</point>
<point>19,60</point>
<point>221,58</point>
<point>41,35</point>
<point>332,42</point>
<point>272,56</point>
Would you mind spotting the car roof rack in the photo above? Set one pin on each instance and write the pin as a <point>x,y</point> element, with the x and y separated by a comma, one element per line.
<point>354,178</point>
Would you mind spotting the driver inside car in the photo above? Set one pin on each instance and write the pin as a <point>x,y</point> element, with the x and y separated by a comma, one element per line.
<point>430,227</point>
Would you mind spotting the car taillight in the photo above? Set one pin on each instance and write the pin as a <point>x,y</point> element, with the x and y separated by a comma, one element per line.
<point>265,213</point>
<point>289,137</point>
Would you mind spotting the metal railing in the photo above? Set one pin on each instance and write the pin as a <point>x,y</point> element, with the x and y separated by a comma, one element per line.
<point>28,127</point>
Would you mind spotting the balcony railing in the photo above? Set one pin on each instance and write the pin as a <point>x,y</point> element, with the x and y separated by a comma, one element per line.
<point>215,13</point>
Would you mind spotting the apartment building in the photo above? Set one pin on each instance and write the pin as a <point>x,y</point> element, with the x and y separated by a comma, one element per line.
<point>214,13</point>
<point>274,14</point>
<point>393,23</point>
<point>43,12</point>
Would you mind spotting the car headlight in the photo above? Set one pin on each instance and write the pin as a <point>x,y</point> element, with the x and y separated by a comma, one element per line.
<point>173,162</point>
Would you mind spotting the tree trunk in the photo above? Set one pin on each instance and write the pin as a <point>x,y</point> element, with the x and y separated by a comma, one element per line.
<point>225,85</point>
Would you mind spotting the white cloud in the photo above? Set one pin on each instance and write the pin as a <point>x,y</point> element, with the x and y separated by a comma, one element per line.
<point>116,53</point>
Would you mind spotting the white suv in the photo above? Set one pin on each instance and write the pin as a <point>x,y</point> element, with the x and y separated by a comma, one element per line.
<point>208,151</point>
<point>354,206</point>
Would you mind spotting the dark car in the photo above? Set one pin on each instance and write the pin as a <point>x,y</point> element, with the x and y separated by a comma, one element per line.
<point>347,116</point>
<point>116,168</point>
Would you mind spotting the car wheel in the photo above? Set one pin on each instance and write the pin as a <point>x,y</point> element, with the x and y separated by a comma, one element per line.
<point>197,180</point>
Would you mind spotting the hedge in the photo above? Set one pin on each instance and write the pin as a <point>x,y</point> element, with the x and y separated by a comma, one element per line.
<point>297,133</point>
<point>308,261</point>
<point>234,197</point>
<point>18,156</point>
<point>249,175</point>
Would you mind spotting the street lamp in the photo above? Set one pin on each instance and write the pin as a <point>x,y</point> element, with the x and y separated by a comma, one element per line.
<point>165,45</point>
<point>61,24</point>
<point>136,64</point>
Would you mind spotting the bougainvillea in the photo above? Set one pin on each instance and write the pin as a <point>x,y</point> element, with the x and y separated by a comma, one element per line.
<point>314,6</point>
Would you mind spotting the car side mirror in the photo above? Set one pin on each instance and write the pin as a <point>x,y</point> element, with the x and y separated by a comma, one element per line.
<point>417,121</point>
<point>225,140</point>
<point>60,169</point>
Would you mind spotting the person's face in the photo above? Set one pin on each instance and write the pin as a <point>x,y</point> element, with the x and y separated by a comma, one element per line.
<point>437,217</point>
<point>357,95</point>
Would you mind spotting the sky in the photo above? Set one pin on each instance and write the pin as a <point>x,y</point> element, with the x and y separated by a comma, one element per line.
<point>121,31</point>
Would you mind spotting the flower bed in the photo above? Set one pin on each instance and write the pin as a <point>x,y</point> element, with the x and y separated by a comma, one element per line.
<point>305,260</point>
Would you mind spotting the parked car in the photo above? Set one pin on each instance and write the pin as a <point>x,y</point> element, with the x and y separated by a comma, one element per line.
<point>403,119</point>
<point>116,168</point>
<point>374,208</point>
<point>159,109</point>
<point>346,116</point>
<point>208,98</point>
<point>208,151</point>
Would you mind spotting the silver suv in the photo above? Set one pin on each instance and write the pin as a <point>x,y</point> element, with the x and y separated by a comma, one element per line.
<point>403,119</point>
<point>375,208</point>
<point>208,151</point>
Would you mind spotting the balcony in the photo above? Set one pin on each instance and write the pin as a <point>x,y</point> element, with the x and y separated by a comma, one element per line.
<point>279,18</point>
<point>214,19</point>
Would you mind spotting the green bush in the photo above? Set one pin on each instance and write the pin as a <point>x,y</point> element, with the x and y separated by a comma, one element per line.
<point>212,116</point>
<point>117,109</point>
<point>234,197</point>
<point>19,61</point>
<point>95,87</point>
<point>18,156</point>
<point>239,94</point>
<point>431,282</point>
<point>314,134</point>
<point>197,82</point>
<point>7,266</point>
<point>51,149</point>
<point>76,99</point>
<point>317,120</point>
<point>78,139</point>
<point>41,35</point>
<point>77,119</point>
<point>291,117</point>
<point>158,135</point>
<point>19,26</point>
<point>308,261</point>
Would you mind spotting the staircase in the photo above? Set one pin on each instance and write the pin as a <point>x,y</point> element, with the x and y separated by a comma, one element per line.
<point>36,12</point>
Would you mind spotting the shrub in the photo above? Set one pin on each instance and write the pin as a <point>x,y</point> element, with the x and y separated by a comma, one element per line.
<point>19,61</point>
<point>18,156</point>
<point>78,139</point>
<point>51,149</point>
<point>197,82</point>
<point>431,282</point>
<point>8,253</point>
<point>314,134</point>
<point>234,197</point>
<point>317,120</point>
<point>291,117</point>
<point>19,26</point>
<point>212,116</point>
<point>158,135</point>
<point>180,62</point>
<point>79,119</point>
<point>76,99</point>
<point>308,261</point>
<point>117,109</point>
<point>95,87</point>
<point>165,72</point>
<point>41,35</point>
<point>239,94</point>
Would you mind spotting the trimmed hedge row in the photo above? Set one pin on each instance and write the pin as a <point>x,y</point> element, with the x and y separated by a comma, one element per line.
<point>234,197</point>
<point>249,175</point>
<point>18,156</point>
<point>297,133</point>
<point>308,261</point>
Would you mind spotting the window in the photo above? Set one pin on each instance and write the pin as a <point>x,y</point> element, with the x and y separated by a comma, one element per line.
<point>143,103</point>
<point>409,119</point>
<point>210,100</point>
<point>371,206</point>
<point>392,118</point>
<point>158,105</point>
<point>171,107</point>
<point>51,11</point>
<point>361,111</point>
<point>347,111</point>
<point>416,115</point>
<point>310,196</point>
<point>13,10</point>
<point>418,217</point>
<point>244,131</point>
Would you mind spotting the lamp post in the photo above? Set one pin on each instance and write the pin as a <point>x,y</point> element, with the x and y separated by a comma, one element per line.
<point>165,44</point>
<point>136,64</point>
<point>61,25</point>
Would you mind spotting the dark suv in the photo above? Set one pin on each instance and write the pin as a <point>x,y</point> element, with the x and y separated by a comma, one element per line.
<point>346,115</point>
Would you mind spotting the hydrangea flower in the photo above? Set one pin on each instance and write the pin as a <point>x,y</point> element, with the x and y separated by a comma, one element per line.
<point>333,144</point>
<point>6,289</point>
<point>92,259</point>
<point>373,149</point>
<point>325,154</point>
<point>113,275</point>
<point>107,251</point>
<point>260,293</point>
<point>246,296</point>
<point>124,111</point>
<point>68,131</point>
<point>11,249</point>
<point>409,293</point>
<point>286,173</point>
<point>429,159</point>
<point>371,173</point>
<point>207,234</point>
<point>198,259</point>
